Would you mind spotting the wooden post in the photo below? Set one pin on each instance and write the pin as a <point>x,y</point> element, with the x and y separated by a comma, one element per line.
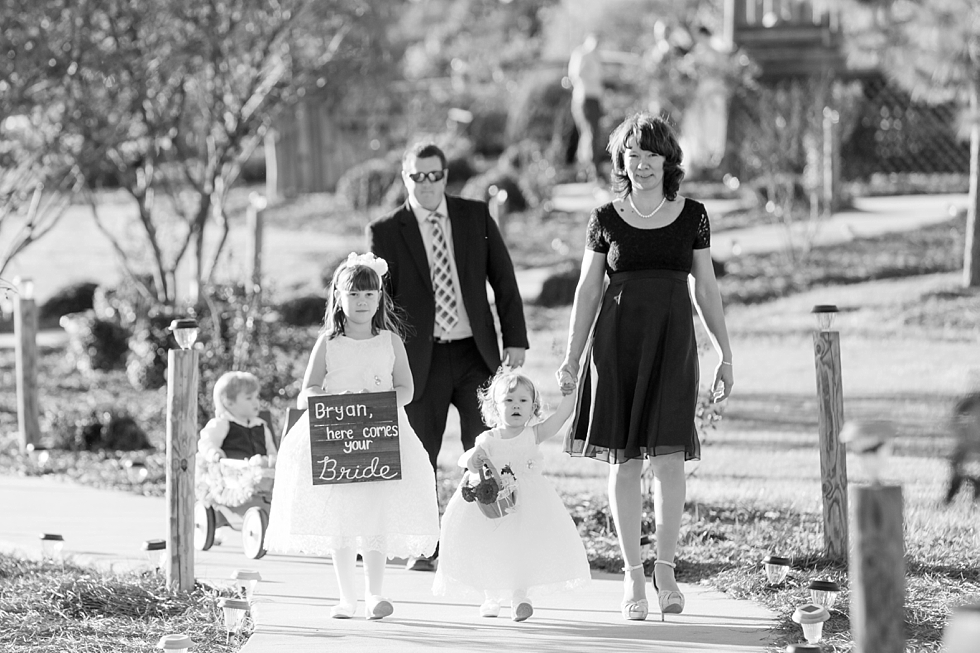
<point>25,336</point>
<point>253,214</point>
<point>833,465</point>
<point>877,567</point>
<point>831,158</point>
<point>181,450</point>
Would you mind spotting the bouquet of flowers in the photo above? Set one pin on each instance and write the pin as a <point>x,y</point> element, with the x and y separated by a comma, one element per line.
<point>495,493</point>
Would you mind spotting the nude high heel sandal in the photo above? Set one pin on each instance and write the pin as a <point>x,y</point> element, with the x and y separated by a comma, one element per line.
<point>671,601</point>
<point>635,609</point>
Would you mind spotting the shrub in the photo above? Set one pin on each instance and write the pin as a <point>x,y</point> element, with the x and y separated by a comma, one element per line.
<point>479,188</point>
<point>303,311</point>
<point>146,367</point>
<point>75,298</point>
<point>95,344</point>
<point>488,132</point>
<point>558,288</point>
<point>124,304</point>
<point>366,184</point>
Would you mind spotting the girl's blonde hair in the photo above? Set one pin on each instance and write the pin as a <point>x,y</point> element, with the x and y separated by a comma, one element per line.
<point>359,278</point>
<point>503,382</point>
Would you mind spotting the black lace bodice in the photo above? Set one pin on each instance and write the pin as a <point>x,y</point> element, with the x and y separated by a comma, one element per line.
<point>628,248</point>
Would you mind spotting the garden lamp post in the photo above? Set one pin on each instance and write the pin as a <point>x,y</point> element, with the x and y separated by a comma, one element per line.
<point>25,337</point>
<point>51,545</point>
<point>156,552</point>
<point>181,450</point>
<point>824,592</point>
<point>811,617</point>
<point>246,580</point>
<point>830,402</point>
<point>777,568</point>
<point>234,612</point>
<point>179,643</point>
<point>877,562</point>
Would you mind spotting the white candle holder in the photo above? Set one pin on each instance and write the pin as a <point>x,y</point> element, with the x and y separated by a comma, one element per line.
<point>179,643</point>
<point>777,568</point>
<point>811,617</point>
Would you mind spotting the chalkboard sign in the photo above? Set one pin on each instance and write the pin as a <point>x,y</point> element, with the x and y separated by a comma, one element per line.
<point>354,438</point>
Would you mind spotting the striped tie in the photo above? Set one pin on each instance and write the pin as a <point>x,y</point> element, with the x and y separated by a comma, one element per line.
<point>442,278</point>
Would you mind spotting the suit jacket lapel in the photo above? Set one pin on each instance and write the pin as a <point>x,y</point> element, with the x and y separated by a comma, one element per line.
<point>459,243</point>
<point>413,240</point>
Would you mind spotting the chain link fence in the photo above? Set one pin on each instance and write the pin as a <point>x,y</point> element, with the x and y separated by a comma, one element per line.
<point>882,129</point>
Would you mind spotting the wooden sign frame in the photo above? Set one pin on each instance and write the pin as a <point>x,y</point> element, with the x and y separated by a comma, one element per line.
<point>354,438</point>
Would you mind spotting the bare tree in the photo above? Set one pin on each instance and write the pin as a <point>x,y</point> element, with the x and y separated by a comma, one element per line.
<point>168,98</point>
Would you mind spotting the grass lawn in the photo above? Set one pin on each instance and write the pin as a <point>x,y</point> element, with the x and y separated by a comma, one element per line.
<point>909,347</point>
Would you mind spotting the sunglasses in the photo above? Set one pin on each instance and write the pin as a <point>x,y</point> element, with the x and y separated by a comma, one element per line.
<point>434,176</point>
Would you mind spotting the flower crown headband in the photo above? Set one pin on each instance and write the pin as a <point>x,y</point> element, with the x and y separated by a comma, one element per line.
<point>368,260</point>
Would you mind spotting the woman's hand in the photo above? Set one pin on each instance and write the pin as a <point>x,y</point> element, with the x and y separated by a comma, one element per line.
<point>567,376</point>
<point>724,380</point>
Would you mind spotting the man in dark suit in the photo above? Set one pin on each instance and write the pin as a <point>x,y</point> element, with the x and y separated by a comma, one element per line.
<point>441,252</point>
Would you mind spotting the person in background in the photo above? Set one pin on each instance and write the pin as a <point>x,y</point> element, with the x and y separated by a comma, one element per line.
<point>638,384</point>
<point>442,252</point>
<point>585,74</point>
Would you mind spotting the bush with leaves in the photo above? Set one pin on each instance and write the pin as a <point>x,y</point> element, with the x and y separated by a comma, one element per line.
<point>366,185</point>
<point>74,298</point>
<point>95,344</point>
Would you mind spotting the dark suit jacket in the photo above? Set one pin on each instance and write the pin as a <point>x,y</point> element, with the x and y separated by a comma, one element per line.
<point>481,256</point>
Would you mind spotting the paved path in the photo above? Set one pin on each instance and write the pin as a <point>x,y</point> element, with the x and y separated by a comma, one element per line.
<point>291,607</point>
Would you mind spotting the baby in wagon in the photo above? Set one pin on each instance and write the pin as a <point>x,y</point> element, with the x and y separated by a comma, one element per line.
<point>236,430</point>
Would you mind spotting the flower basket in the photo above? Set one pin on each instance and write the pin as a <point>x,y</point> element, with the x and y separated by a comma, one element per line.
<point>493,492</point>
<point>230,482</point>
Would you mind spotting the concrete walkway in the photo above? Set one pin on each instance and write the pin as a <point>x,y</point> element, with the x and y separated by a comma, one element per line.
<point>292,603</point>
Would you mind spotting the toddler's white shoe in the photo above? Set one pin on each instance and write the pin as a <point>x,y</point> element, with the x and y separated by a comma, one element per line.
<point>378,607</point>
<point>490,608</point>
<point>343,610</point>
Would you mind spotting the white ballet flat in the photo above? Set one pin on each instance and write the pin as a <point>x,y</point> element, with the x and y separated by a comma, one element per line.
<point>490,608</point>
<point>378,607</point>
<point>343,610</point>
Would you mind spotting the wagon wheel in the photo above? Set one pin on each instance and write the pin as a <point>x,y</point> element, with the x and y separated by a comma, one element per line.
<point>254,524</point>
<point>203,526</point>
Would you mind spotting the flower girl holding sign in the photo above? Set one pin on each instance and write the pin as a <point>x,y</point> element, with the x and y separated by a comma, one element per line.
<point>359,350</point>
<point>506,532</point>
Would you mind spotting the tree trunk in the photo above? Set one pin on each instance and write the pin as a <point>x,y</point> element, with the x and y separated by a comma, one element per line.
<point>971,252</point>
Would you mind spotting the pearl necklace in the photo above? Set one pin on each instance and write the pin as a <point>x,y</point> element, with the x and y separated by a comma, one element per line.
<point>650,215</point>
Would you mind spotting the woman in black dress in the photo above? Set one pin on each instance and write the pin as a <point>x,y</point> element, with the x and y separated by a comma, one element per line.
<point>638,382</point>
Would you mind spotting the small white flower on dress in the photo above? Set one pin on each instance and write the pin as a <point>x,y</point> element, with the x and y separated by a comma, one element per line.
<point>530,464</point>
<point>377,380</point>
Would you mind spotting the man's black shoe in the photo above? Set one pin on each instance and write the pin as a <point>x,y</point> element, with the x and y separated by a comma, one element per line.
<point>421,564</point>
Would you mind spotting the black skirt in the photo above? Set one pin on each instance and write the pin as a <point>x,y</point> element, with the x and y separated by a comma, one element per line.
<point>638,387</point>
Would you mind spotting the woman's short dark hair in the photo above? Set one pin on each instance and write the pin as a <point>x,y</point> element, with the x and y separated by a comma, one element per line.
<point>653,134</point>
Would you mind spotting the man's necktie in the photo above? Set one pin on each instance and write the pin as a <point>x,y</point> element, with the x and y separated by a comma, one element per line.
<point>442,278</point>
